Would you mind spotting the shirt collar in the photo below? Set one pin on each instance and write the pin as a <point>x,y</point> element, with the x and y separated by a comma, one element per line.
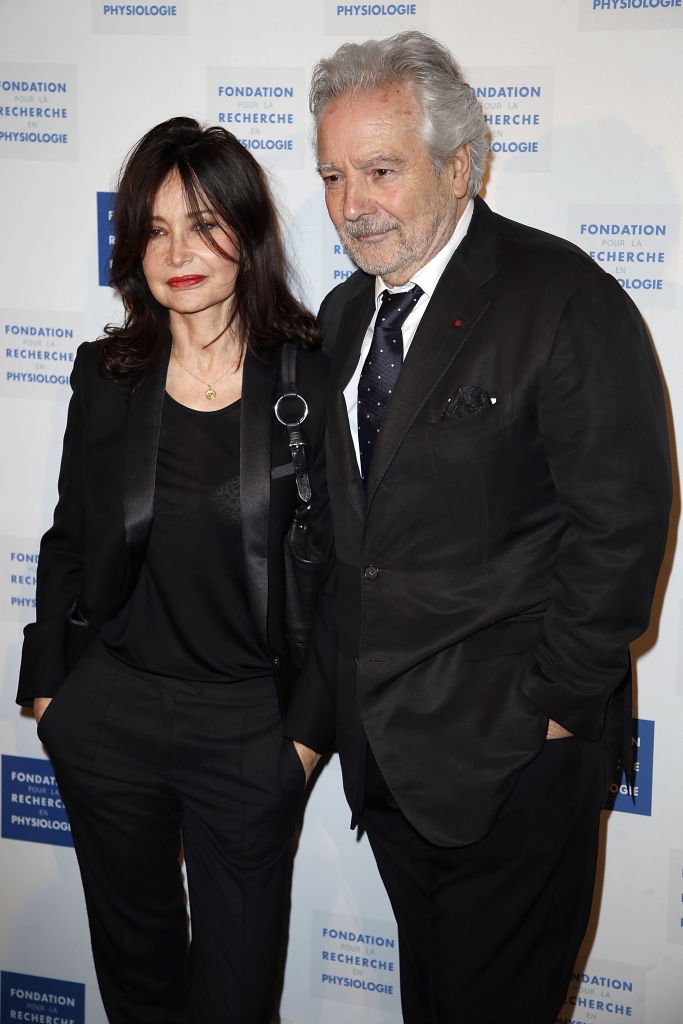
<point>428,276</point>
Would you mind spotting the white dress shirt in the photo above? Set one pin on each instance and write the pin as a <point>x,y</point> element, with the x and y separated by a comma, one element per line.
<point>427,277</point>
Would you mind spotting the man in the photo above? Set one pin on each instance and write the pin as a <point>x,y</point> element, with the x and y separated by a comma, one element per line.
<point>500,513</point>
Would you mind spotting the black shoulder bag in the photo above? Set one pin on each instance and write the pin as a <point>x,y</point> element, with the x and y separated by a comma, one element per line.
<point>302,558</point>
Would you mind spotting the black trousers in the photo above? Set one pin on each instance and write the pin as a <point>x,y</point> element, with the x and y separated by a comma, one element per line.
<point>145,764</point>
<point>488,933</point>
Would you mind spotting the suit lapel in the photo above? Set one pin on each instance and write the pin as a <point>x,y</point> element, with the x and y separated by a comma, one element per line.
<point>352,328</point>
<point>145,404</point>
<point>256,416</point>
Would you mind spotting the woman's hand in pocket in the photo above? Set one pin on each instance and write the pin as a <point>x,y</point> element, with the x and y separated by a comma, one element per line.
<point>40,706</point>
<point>308,757</point>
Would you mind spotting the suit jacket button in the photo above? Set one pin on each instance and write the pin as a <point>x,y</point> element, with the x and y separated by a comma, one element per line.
<point>371,572</point>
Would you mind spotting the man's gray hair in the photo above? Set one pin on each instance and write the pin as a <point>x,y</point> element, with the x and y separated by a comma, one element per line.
<point>452,114</point>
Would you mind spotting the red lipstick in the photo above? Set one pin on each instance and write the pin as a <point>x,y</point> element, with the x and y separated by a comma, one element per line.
<point>187,281</point>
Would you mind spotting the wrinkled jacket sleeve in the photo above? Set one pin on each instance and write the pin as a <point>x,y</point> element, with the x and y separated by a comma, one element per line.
<point>603,425</point>
<point>60,563</point>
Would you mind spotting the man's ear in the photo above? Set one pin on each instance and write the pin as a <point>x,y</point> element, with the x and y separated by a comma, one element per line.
<point>460,168</point>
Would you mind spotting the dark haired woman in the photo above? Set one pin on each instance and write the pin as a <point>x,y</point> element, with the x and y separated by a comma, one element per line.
<point>158,664</point>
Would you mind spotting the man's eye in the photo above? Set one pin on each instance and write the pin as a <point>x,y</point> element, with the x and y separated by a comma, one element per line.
<point>382,172</point>
<point>330,179</point>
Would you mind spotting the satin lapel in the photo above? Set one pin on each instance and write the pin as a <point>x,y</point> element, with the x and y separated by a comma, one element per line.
<point>142,445</point>
<point>453,312</point>
<point>352,328</point>
<point>256,420</point>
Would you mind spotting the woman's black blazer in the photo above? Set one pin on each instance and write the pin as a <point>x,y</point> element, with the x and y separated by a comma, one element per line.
<point>91,556</point>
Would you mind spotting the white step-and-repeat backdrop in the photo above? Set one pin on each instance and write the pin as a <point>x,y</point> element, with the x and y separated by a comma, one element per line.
<point>583,98</point>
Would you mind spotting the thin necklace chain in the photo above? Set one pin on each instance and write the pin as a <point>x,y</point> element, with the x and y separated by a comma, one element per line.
<point>210,392</point>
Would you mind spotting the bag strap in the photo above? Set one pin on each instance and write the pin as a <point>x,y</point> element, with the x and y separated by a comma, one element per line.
<point>291,409</point>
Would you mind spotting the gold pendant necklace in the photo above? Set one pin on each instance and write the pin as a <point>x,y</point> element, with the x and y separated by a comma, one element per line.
<point>210,392</point>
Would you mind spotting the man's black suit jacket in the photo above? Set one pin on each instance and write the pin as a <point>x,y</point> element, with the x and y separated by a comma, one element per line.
<point>90,558</point>
<point>506,549</point>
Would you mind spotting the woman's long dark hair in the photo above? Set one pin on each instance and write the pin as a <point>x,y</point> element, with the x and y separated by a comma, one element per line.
<point>214,169</point>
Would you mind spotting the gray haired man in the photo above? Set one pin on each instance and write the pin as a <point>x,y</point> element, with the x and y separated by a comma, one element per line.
<point>500,484</point>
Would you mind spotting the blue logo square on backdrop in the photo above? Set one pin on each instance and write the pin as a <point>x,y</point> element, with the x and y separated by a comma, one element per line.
<point>643,756</point>
<point>105,234</point>
<point>31,998</point>
<point>32,808</point>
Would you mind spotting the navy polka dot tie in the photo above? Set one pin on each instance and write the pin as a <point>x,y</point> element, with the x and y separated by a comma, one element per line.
<point>381,369</point>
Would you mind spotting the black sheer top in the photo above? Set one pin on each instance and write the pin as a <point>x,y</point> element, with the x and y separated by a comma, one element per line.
<point>188,616</point>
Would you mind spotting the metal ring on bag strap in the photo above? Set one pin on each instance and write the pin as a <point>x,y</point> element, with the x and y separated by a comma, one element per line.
<point>297,444</point>
<point>291,423</point>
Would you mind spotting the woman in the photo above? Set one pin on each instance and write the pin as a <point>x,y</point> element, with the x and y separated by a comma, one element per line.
<point>158,665</point>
